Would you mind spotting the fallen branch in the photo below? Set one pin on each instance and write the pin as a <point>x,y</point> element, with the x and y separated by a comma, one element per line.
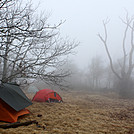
<point>17,124</point>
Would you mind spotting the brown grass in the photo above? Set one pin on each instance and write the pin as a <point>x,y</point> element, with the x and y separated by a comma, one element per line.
<point>80,113</point>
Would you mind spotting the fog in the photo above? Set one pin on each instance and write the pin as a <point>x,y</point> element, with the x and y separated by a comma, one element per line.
<point>83,21</point>
<point>103,58</point>
<point>38,38</point>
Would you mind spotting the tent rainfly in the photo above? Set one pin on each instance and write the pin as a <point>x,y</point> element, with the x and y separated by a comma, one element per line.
<point>32,89</point>
<point>13,102</point>
<point>47,95</point>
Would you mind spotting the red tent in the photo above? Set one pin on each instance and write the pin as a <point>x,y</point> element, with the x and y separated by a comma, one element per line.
<point>47,95</point>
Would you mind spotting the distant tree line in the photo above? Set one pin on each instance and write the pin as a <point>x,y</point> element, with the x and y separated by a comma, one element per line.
<point>98,76</point>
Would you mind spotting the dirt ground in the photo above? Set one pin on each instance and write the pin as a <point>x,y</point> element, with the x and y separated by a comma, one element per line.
<point>80,113</point>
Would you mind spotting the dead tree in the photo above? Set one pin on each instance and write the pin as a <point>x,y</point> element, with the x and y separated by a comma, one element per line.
<point>125,83</point>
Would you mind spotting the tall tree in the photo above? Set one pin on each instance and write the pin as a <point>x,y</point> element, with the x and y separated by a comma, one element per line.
<point>127,63</point>
<point>29,47</point>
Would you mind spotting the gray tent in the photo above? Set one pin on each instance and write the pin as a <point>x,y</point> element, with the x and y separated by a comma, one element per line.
<point>32,89</point>
<point>14,96</point>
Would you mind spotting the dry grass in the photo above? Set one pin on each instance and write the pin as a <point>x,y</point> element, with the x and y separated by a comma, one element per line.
<point>80,113</point>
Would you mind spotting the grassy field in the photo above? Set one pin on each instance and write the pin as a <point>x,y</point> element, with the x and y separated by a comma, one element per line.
<point>80,113</point>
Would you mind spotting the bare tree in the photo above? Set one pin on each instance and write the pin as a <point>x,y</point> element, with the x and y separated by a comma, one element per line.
<point>29,47</point>
<point>95,72</point>
<point>109,77</point>
<point>127,63</point>
<point>4,2</point>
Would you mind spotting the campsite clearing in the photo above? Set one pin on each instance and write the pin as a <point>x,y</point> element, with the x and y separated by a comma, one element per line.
<point>80,113</point>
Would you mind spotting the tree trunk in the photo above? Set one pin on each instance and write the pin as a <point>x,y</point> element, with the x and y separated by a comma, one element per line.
<point>4,78</point>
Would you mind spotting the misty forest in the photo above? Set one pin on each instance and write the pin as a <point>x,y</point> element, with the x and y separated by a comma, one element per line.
<point>34,54</point>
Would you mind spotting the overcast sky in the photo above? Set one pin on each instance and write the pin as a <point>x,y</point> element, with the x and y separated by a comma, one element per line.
<point>84,21</point>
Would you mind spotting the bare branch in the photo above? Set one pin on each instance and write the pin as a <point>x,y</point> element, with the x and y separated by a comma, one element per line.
<point>104,40</point>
